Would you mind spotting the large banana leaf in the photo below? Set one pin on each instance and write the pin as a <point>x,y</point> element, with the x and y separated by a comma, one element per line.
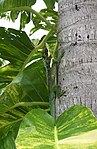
<point>76,128</point>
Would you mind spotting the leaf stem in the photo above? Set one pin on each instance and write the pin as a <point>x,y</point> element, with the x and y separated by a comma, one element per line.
<point>25,104</point>
<point>56,137</point>
<point>36,48</point>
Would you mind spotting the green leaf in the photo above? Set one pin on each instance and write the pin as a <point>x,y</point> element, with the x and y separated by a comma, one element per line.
<point>14,46</point>
<point>49,3</point>
<point>5,4</point>
<point>3,108</point>
<point>16,7</point>
<point>29,85</point>
<point>76,127</point>
<point>25,18</point>
<point>8,121</point>
<point>14,15</point>
<point>37,129</point>
<point>8,73</point>
<point>22,6</point>
<point>8,142</point>
<point>29,90</point>
<point>24,88</point>
<point>19,86</point>
<point>50,15</point>
<point>34,82</point>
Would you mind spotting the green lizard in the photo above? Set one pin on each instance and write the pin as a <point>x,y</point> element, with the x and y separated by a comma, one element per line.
<point>52,62</point>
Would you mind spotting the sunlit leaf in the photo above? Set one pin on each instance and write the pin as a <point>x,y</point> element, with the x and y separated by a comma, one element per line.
<point>76,127</point>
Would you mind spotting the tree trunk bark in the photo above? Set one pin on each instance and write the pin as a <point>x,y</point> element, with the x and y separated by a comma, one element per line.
<point>77,37</point>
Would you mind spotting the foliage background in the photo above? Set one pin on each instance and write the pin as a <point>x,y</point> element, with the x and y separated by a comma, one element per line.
<point>24,82</point>
<point>23,85</point>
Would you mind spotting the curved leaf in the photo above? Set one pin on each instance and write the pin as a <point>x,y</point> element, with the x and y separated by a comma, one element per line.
<point>14,15</point>
<point>29,85</point>
<point>75,127</point>
<point>34,82</point>
<point>49,3</point>
<point>14,45</point>
<point>25,18</point>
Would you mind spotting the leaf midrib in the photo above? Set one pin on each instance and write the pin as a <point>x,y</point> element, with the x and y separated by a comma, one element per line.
<point>56,138</point>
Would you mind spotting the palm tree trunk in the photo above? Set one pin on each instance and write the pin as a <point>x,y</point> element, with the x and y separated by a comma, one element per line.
<point>77,37</point>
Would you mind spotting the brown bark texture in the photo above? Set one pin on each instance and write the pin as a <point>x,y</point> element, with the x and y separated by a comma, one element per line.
<point>77,37</point>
